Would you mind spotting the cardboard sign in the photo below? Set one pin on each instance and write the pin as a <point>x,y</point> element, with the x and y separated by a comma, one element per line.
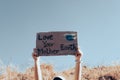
<point>56,43</point>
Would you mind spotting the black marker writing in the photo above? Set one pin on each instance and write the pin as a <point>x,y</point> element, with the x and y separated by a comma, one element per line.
<point>45,37</point>
<point>47,51</point>
<point>68,47</point>
<point>46,44</point>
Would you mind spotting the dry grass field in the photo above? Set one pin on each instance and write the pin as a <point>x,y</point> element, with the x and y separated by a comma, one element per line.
<point>48,73</point>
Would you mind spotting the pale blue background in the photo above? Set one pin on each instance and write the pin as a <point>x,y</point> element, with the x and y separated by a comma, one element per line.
<point>96,21</point>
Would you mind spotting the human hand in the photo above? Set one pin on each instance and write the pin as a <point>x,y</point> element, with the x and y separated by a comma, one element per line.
<point>78,54</point>
<point>34,54</point>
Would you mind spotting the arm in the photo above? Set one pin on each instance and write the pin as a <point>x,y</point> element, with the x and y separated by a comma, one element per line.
<point>37,73</point>
<point>78,66</point>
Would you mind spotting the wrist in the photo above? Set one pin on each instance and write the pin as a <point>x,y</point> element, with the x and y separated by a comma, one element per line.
<point>77,61</point>
<point>35,60</point>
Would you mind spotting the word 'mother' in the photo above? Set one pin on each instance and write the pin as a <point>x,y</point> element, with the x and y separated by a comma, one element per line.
<point>47,51</point>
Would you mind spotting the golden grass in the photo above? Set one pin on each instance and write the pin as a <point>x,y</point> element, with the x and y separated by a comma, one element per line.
<point>48,73</point>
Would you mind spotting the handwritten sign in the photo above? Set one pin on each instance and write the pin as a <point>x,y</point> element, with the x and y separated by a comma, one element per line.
<point>56,43</point>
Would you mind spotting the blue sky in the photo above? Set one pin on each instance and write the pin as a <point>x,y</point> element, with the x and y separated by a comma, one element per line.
<point>96,21</point>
